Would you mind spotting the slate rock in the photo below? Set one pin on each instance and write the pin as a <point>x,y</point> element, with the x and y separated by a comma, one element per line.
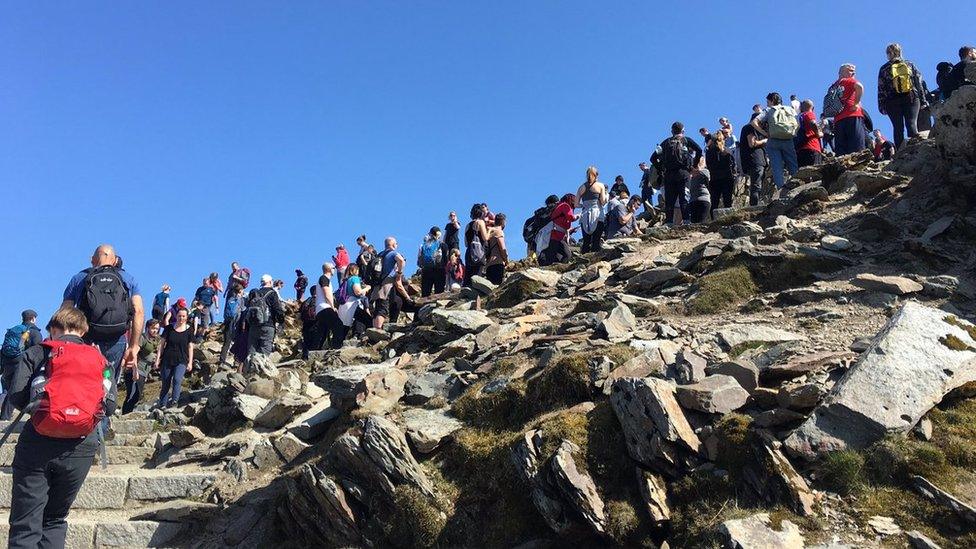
<point>715,394</point>
<point>896,285</point>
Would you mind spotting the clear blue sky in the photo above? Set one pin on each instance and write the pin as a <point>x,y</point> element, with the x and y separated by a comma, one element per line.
<point>191,134</point>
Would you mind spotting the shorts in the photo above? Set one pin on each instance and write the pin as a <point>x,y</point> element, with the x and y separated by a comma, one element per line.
<point>381,307</point>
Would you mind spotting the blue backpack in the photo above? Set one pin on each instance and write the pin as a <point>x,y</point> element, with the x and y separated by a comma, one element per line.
<point>431,254</point>
<point>205,295</point>
<point>15,340</point>
<point>232,308</point>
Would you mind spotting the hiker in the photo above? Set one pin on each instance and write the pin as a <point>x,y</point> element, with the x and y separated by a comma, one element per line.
<point>795,103</point>
<point>341,260</point>
<point>900,93</point>
<point>233,311</point>
<point>135,375</point>
<point>728,133</point>
<point>780,128</point>
<point>956,78</point>
<point>827,127</point>
<point>206,295</point>
<point>161,303</point>
<point>278,285</point>
<point>238,274</point>
<point>199,316</point>
<point>393,264</point>
<point>882,149</point>
<point>452,240</point>
<point>353,308</point>
<point>263,312</point>
<point>650,183</point>
<point>809,150</point>
<point>677,156</point>
<point>497,251</point>
<point>558,250</point>
<point>706,137</point>
<point>535,231</point>
<point>174,359</point>
<point>430,261</point>
<point>622,215</point>
<point>721,169</point>
<point>17,340</point>
<point>301,282</point>
<point>849,123</point>
<point>454,271</point>
<point>170,318</point>
<point>306,313</point>
<point>110,296</point>
<point>401,300</point>
<point>700,202</point>
<point>592,197</point>
<point>327,324</point>
<point>218,287</point>
<point>618,183</point>
<point>475,240</point>
<point>752,153</point>
<point>53,455</point>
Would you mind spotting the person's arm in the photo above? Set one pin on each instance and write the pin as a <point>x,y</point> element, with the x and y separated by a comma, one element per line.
<point>482,230</point>
<point>757,124</point>
<point>135,331</point>
<point>277,311</point>
<point>359,290</point>
<point>858,93</point>
<point>754,141</point>
<point>327,292</point>
<point>401,262</point>
<point>19,390</point>
<point>159,352</point>
<point>420,256</point>
<point>579,193</point>
<point>697,150</point>
<point>502,250</point>
<point>189,360</point>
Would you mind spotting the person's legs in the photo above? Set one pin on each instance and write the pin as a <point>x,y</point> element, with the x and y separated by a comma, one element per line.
<point>698,210</point>
<point>726,188</point>
<point>817,158</point>
<point>336,329</point>
<point>670,197</point>
<point>267,335</point>
<point>426,281</point>
<point>65,477</point>
<point>29,496</point>
<point>205,319</point>
<point>496,273</point>
<point>254,339</point>
<point>322,330</point>
<point>166,377</point>
<point>789,158</point>
<point>911,119</point>
<point>775,151</point>
<point>178,372</point>
<point>230,333</point>
<point>755,184</point>
<point>896,113</point>
<point>682,189</point>
<point>440,279</point>
<point>133,390</point>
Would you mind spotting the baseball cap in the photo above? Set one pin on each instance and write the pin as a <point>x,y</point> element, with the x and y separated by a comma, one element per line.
<point>266,279</point>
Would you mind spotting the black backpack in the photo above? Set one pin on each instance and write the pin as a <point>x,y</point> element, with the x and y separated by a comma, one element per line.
<point>675,154</point>
<point>106,304</point>
<point>258,310</point>
<point>534,224</point>
<point>373,274</point>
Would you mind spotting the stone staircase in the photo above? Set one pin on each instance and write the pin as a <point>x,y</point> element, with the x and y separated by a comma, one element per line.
<point>125,504</point>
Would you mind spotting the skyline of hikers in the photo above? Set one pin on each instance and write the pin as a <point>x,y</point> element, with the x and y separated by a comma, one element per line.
<point>99,336</point>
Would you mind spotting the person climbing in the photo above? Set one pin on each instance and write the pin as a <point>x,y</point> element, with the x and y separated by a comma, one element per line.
<point>174,359</point>
<point>956,78</point>
<point>392,268</point>
<point>809,150</point>
<point>112,305</point>
<point>900,93</point>
<point>676,158</point>
<point>206,296</point>
<point>454,271</point>
<point>233,311</point>
<point>497,251</point>
<point>430,261</point>
<point>721,169</point>
<point>53,455</point>
<point>622,215</point>
<point>263,313</point>
<point>850,132</point>
<point>135,377</point>
<point>537,224</point>
<point>700,202</point>
<point>17,339</point>
<point>779,123</point>
<point>882,149</point>
<point>592,197</point>
<point>327,323</point>
<point>351,301</point>
<point>301,282</point>
<point>161,303</point>
<point>475,240</point>
<point>558,250</point>
<point>239,275</point>
<point>170,318</point>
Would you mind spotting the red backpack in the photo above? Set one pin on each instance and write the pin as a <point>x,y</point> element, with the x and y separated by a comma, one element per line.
<point>71,404</point>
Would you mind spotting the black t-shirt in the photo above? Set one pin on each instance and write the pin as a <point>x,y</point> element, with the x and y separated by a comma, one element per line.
<point>177,349</point>
<point>451,239</point>
<point>750,156</point>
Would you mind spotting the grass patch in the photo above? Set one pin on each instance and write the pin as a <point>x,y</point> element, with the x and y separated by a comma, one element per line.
<point>512,292</point>
<point>500,409</point>
<point>417,521</point>
<point>965,326</point>
<point>791,270</point>
<point>894,460</point>
<point>955,343</point>
<point>913,512</point>
<point>842,472</point>
<point>722,290</point>
<point>622,521</point>
<point>732,433</point>
<point>565,383</point>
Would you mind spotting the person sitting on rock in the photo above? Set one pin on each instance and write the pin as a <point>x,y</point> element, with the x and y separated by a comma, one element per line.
<point>622,215</point>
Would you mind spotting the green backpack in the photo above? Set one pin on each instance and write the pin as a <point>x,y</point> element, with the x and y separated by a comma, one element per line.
<point>783,123</point>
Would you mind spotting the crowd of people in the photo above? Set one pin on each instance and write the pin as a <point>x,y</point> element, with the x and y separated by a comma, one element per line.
<point>99,336</point>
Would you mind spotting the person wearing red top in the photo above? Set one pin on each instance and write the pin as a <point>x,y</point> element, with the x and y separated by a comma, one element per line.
<point>341,260</point>
<point>562,219</point>
<point>849,132</point>
<point>809,150</point>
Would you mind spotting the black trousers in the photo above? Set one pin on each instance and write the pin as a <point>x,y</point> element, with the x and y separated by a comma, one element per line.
<point>903,112</point>
<point>47,475</point>
<point>260,339</point>
<point>698,210</point>
<point>133,388</point>
<point>755,174</point>
<point>495,273</point>
<point>432,279</point>
<point>675,183</point>
<point>721,189</point>
<point>593,242</point>
<point>7,368</point>
<point>807,157</point>
<point>557,252</point>
<point>327,329</point>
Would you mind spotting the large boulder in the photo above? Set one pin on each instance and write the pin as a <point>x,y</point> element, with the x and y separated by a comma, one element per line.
<point>657,432</point>
<point>743,336</point>
<point>619,325</point>
<point>918,357</point>
<point>756,532</point>
<point>429,429</point>
<point>460,322</point>
<point>955,128</point>
<point>374,387</point>
<point>281,410</point>
<point>715,394</point>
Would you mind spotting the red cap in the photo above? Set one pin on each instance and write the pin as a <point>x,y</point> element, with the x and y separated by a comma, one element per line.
<point>181,303</point>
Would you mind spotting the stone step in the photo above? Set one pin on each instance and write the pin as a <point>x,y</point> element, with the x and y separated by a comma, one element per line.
<point>117,440</point>
<point>117,455</point>
<point>118,528</point>
<point>118,426</point>
<point>126,486</point>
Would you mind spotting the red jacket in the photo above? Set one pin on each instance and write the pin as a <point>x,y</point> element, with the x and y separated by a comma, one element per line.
<point>562,216</point>
<point>341,259</point>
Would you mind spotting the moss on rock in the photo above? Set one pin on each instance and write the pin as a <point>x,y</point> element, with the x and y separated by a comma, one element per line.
<point>417,521</point>
<point>722,290</point>
<point>842,472</point>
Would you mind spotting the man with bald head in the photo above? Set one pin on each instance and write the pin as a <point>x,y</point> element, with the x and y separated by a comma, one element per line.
<point>393,263</point>
<point>111,301</point>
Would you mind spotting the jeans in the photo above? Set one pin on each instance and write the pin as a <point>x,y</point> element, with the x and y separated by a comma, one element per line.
<point>172,376</point>
<point>205,319</point>
<point>260,339</point>
<point>432,280</point>
<point>230,334</point>
<point>557,252</point>
<point>808,157</point>
<point>47,475</point>
<point>780,152</point>
<point>675,183</point>
<point>849,135</point>
<point>721,190</point>
<point>755,174</point>
<point>903,112</point>
<point>113,352</point>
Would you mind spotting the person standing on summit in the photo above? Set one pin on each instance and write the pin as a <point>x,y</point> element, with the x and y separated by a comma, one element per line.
<point>110,299</point>
<point>677,157</point>
<point>850,135</point>
<point>263,312</point>
<point>900,93</point>
<point>781,125</point>
<point>592,198</point>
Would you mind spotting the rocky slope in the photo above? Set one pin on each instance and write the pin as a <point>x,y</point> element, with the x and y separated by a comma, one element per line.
<point>798,374</point>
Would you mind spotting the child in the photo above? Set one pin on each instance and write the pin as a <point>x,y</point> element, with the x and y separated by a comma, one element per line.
<point>454,271</point>
<point>53,455</point>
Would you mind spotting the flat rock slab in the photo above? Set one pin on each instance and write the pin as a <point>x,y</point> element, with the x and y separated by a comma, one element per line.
<point>715,394</point>
<point>908,369</point>
<point>155,488</point>
<point>137,533</point>
<point>429,429</point>
<point>756,532</point>
<point>746,335</point>
<point>897,285</point>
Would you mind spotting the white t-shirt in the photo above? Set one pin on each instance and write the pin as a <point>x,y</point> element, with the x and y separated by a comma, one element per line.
<point>323,298</point>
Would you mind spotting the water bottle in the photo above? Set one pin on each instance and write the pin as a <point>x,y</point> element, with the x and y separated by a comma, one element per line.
<point>107,380</point>
<point>37,386</point>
